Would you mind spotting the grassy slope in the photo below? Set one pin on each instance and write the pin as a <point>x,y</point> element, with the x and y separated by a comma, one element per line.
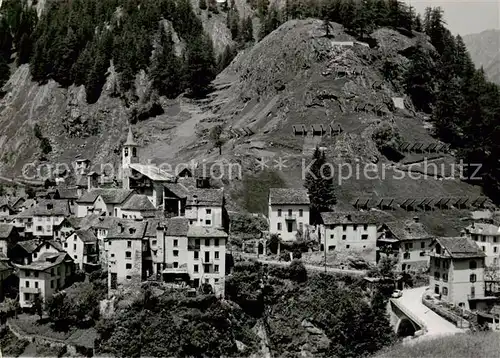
<point>458,346</point>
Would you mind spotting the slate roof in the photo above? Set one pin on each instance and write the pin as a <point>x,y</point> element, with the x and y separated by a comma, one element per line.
<point>138,202</point>
<point>46,261</point>
<point>110,196</point>
<point>152,172</point>
<point>178,226</point>
<point>205,197</point>
<point>293,196</point>
<point>4,266</point>
<point>151,228</point>
<point>85,222</point>
<point>128,230</point>
<point>68,193</point>
<point>130,138</point>
<point>86,235</point>
<point>29,245</point>
<point>56,245</point>
<point>178,189</point>
<point>48,207</point>
<point>354,217</point>
<point>28,203</point>
<point>483,229</point>
<point>460,247</point>
<point>5,231</point>
<point>207,232</point>
<point>408,230</point>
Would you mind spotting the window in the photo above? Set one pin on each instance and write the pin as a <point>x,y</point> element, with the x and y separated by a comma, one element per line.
<point>75,257</point>
<point>216,253</point>
<point>51,272</point>
<point>472,277</point>
<point>344,237</point>
<point>176,253</point>
<point>154,242</point>
<point>129,277</point>
<point>51,283</point>
<point>279,227</point>
<point>436,275</point>
<point>445,291</point>
<point>176,264</point>
<point>196,255</point>
<point>36,273</point>
<point>128,266</point>
<point>301,212</point>
<point>331,236</point>
<point>365,227</point>
<point>422,245</point>
<point>472,264</point>
<point>344,227</point>
<point>408,246</point>
<point>216,268</point>
<point>422,254</point>
<point>36,284</point>
<point>196,268</point>
<point>26,296</point>
<point>126,152</point>
<point>355,227</point>
<point>495,249</point>
<point>445,277</point>
<point>472,292</point>
<point>208,222</point>
<point>47,246</point>
<point>128,254</point>
<point>209,211</point>
<point>331,247</point>
<point>74,247</point>
<point>483,248</point>
<point>216,242</point>
<point>197,242</point>
<point>436,289</point>
<point>129,243</point>
<point>347,246</point>
<point>65,245</point>
<point>364,237</point>
<point>406,256</point>
<point>176,242</point>
<point>279,212</point>
<point>483,238</point>
<point>290,212</point>
<point>112,255</point>
<point>207,242</point>
<point>495,239</point>
<point>27,284</point>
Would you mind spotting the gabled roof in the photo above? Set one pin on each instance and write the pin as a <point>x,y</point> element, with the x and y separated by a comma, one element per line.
<point>354,217</point>
<point>85,222</point>
<point>151,228</point>
<point>138,202</point>
<point>178,189</point>
<point>205,197</point>
<point>48,207</point>
<point>56,245</point>
<point>29,245</point>
<point>46,261</point>
<point>28,203</point>
<point>130,138</point>
<point>408,230</point>
<point>460,247</point>
<point>483,229</point>
<point>293,196</point>
<point>86,235</point>
<point>178,226</point>
<point>5,231</point>
<point>128,230</point>
<point>152,172</point>
<point>67,193</point>
<point>205,232</point>
<point>110,196</point>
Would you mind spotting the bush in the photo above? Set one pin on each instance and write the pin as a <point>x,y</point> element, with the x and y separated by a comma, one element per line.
<point>298,272</point>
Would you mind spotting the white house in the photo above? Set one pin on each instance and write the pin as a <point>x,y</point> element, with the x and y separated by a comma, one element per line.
<point>205,207</point>
<point>487,236</point>
<point>138,206</point>
<point>288,212</point>
<point>40,220</point>
<point>106,201</point>
<point>82,247</point>
<point>44,276</point>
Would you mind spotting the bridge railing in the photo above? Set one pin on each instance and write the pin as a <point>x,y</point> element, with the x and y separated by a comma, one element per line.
<point>409,314</point>
<point>457,320</point>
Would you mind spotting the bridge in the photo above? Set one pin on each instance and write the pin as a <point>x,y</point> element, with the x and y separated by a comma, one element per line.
<point>410,317</point>
<point>403,321</point>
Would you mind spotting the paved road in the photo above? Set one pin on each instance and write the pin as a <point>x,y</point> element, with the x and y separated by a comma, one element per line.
<point>436,325</point>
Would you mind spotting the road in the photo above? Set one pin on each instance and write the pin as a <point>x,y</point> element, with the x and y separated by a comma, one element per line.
<point>435,324</point>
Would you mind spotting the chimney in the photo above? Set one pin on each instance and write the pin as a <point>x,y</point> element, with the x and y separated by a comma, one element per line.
<point>416,219</point>
<point>349,217</point>
<point>122,229</point>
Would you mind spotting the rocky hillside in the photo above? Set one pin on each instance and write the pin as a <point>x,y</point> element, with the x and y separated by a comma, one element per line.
<point>295,76</point>
<point>484,49</point>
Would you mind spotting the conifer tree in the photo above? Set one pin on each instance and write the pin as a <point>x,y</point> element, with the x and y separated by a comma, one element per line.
<point>166,73</point>
<point>247,30</point>
<point>202,4</point>
<point>4,71</point>
<point>200,65</point>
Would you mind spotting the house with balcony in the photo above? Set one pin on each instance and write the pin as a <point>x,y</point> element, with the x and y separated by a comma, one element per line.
<point>40,220</point>
<point>206,207</point>
<point>456,272</point>
<point>125,247</point>
<point>487,236</point>
<point>82,246</point>
<point>103,201</point>
<point>27,251</point>
<point>353,232</point>
<point>206,257</point>
<point>288,212</point>
<point>408,241</point>
<point>43,276</point>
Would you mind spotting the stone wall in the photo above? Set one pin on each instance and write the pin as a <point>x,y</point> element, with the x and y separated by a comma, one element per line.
<point>446,314</point>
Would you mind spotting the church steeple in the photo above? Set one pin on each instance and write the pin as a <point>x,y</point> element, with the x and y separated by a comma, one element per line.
<point>129,156</point>
<point>130,138</point>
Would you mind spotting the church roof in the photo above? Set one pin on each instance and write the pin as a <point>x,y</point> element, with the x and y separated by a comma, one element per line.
<point>130,138</point>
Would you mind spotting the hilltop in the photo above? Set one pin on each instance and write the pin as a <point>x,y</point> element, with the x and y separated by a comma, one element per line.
<point>484,49</point>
